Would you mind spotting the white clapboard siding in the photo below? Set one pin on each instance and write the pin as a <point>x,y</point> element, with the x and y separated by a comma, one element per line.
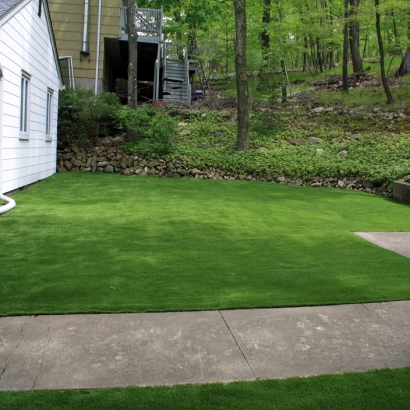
<point>26,43</point>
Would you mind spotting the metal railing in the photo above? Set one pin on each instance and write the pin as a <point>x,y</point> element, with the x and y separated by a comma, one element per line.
<point>148,21</point>
<point>175,52</point>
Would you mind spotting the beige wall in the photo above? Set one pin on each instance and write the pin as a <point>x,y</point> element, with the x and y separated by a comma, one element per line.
<point>68,17</point>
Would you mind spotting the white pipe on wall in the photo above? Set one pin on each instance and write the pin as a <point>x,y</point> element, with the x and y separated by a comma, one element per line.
<point>98,47</point>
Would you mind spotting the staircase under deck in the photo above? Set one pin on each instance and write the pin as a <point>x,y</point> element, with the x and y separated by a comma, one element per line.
<point>171,60</point>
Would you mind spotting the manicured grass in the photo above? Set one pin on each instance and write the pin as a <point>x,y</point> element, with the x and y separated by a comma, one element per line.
<point>383,389</point>
<point>106,243</point>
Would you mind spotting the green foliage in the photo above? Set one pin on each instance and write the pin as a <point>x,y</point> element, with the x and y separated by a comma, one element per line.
<point>208,139</point>
<point>153,128</point>
<point>131,121</point>
<point>79,114</point>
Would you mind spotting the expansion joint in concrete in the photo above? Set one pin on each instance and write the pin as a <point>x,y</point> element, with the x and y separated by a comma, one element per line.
<point>44,356</point>
<point>384,320</point>
<point>239,347</point>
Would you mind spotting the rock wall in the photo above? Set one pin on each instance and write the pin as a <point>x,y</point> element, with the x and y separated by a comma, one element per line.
<point>111,159</point>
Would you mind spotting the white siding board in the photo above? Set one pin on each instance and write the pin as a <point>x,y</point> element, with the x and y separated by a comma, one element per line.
<point>26,45</point>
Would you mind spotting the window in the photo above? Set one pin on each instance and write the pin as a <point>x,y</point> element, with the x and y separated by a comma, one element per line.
<point>24,104</point>
<point>49,114</point>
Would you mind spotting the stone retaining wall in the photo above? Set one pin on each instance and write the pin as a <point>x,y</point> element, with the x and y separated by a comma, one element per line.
<point>401,192</point>
<point>111,159</point>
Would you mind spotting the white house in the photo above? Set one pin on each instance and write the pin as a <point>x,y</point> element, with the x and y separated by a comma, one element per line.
<point>30,79</point>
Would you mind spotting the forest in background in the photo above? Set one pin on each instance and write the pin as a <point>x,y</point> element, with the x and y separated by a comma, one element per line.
<point>304,34</point>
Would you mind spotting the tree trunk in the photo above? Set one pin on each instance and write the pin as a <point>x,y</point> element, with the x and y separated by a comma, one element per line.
<point>354,30</point>
<point>404,66</point>
<point>265,39</point>
<point>319,54</point>
<point>241,75</point>
<point>380,41</point>
<point>305,55</point>
<point>133,56</point>
<point>345,47</point>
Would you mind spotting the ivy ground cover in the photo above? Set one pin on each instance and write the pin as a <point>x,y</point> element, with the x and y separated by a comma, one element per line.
<point>106,243</point>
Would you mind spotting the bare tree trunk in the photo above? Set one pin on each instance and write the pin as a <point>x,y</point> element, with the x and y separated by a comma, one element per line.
<point>305,55</point>
<point>380,41</point>
<point>133,56</point>
<point>265,41</point>
<point>226,52</point>
<point>354,30</point>
<point>265,38</point>
<point>345,47</point>
<point>241,76</point>
<point>404,66</point>
<point>366,39</point>
<point>319,55</point>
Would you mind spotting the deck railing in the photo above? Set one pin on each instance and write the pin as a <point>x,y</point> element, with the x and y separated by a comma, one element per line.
<point>148,21</point>
<point>175,52</point>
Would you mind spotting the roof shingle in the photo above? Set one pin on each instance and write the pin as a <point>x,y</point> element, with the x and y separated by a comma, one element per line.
<point>6,5</point>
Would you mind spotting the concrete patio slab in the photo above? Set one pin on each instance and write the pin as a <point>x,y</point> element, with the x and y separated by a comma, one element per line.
<point>280,343</point>
<point>394,241</point>
<point>89,351</point>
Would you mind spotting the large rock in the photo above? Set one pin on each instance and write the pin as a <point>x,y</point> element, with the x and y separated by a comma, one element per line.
<point>342,154</point>
<point>401,191</point>
<point>296,141</point>
<point>315,140</point>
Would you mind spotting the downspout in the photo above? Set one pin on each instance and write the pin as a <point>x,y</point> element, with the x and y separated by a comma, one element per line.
<point>98,46</point>
<point>85,49</point>
<point>11,203</point>
<point>159,55</point>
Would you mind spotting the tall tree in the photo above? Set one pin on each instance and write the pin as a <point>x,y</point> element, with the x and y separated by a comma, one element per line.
<point>265,38</point>
<point>241,75</point>
<point>381,51</point>
<point>345,46</point>
<point>354,31</point>
<point>132,55</point>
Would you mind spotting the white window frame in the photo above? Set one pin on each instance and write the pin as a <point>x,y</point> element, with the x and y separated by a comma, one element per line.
<point>25,105</point>
<point>49,114</point>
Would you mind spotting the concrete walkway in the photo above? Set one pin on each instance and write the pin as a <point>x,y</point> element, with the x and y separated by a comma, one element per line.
<point>398,242</point>
<point>90,351</point>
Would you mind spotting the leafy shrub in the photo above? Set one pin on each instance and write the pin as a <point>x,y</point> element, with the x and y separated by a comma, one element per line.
<point>153,130</point>
<point>133,122</point>
<point>79,114</point>
<point>211,142</point>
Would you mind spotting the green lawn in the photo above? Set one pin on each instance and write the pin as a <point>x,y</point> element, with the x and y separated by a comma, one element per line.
<point>375,390</point>
<point>106,243</point>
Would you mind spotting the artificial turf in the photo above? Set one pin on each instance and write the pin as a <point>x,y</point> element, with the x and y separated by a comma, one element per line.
<point>375,390</point>
<point>79,242</point>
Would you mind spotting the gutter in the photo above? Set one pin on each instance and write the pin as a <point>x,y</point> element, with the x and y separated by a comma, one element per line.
<point>98,47</point>
<point>11,203</point>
